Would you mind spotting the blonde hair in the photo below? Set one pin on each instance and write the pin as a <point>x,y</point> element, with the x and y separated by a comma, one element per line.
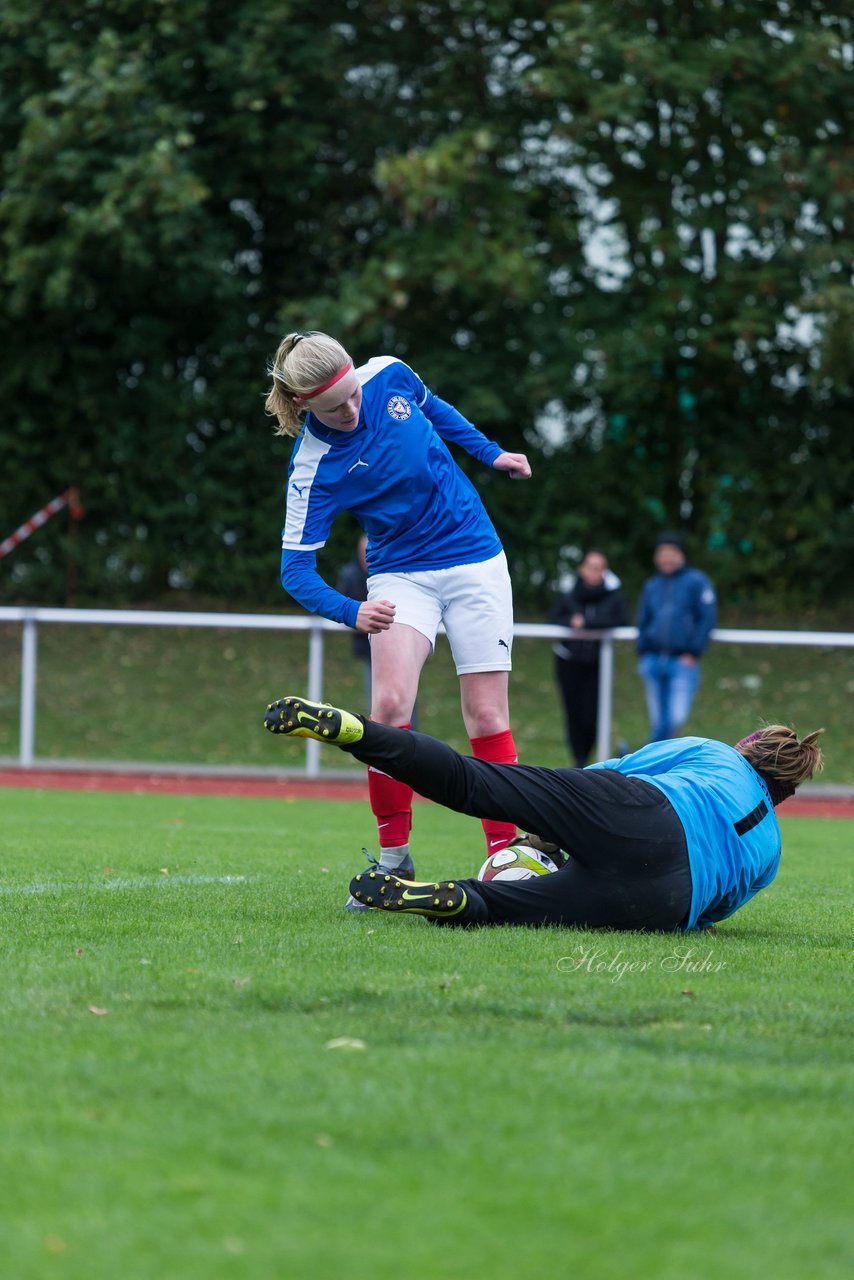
<point>776,752</point>
<point>303,361</point>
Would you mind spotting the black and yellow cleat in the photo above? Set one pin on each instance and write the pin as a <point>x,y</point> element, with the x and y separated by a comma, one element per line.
<point>384,891</point>
<point>303,719</point>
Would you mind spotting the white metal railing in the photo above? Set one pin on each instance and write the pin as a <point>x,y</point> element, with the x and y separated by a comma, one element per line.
<point>31,617</point>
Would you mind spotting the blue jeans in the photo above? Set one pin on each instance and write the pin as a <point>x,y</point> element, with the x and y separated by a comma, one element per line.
<point>670,689</point>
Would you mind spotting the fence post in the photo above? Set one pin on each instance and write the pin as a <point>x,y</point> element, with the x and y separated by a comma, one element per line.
<point>29,659</point>
<point>606,687</point>
<point>315,693</point>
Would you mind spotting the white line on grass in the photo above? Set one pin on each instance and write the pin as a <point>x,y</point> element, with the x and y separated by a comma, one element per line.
<point>119,882</point>
<point>177,825</point>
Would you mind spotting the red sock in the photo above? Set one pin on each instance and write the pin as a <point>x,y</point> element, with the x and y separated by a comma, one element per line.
<point>498,748</point>
<point>391,802</point>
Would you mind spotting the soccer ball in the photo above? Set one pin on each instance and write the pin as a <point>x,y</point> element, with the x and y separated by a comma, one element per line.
<point>516,862</point>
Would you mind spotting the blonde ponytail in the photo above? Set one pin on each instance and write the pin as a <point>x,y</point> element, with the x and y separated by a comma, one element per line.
<point>303,361</point>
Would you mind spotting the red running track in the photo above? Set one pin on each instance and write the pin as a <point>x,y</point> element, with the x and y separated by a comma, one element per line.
<point>174,784</point>
<point>801,806</point>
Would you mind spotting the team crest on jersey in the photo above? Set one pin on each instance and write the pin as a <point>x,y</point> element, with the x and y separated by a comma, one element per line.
<point>399,408</point>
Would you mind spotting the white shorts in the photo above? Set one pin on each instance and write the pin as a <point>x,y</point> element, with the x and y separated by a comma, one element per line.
<point>473,601</point>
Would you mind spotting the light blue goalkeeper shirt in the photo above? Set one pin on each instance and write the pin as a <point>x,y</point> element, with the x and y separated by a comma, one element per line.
<point>724,806</point>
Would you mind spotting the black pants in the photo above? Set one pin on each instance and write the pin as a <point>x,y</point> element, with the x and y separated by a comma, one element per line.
<point>629,866</point>
<point>579,687</point>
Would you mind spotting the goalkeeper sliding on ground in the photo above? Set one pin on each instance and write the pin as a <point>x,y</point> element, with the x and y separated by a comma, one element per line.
<point>675,836</point>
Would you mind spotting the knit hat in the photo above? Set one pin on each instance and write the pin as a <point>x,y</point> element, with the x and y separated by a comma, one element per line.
<point>670,538</point>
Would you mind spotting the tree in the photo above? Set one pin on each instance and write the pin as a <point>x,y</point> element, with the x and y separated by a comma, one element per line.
<point>633,223</point>
<point>713,142</point>
<point>617,235</point>
<point>158,162</point>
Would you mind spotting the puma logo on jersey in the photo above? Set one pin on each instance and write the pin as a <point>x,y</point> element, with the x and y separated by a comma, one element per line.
<point>300,488</point>
<point>505,644</point>
<point>357,463</point>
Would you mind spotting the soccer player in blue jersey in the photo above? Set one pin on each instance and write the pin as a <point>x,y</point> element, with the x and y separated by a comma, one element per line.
<point>373,441</point>
<point>676,836</point>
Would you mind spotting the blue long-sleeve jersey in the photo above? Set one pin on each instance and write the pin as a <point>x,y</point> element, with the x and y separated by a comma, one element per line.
<point>676,613</point>
<point>731,831</point>
<point>396,476</point>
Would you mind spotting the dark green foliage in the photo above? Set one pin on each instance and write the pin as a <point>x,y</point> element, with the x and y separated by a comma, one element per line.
<point>616,235</point>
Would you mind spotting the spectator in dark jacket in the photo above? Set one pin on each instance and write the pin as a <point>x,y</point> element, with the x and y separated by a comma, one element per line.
<point>353,582</point>
<point>676,615</point>
<point>593,603</point>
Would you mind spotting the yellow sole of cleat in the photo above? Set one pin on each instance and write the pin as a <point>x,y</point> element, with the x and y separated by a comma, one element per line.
<point>300,718</point>
<point>409,897</point>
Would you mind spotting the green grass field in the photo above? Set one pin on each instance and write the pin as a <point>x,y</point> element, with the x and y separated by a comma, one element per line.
<point>193,696</point>
<point>209,1070</point>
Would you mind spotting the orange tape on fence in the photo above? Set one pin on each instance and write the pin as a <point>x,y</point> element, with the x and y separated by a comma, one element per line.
<point>70,498</point>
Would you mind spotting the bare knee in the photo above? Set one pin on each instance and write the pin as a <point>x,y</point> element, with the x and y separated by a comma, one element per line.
<point>485,724</point>
<point>391,703</point>
<point>484,703</point>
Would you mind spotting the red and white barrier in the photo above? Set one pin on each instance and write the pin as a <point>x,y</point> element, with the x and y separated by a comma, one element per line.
<point>70,499</point>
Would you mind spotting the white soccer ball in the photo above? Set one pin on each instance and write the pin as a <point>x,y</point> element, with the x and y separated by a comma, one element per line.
<point>516,862</point>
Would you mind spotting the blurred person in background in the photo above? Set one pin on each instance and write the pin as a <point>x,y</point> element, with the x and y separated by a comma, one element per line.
<point>353,582</point>
<point>593,603</point>
<point>676,615</point>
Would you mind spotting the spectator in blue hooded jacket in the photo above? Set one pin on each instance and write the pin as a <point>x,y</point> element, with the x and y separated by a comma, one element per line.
<point>676,615</point>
